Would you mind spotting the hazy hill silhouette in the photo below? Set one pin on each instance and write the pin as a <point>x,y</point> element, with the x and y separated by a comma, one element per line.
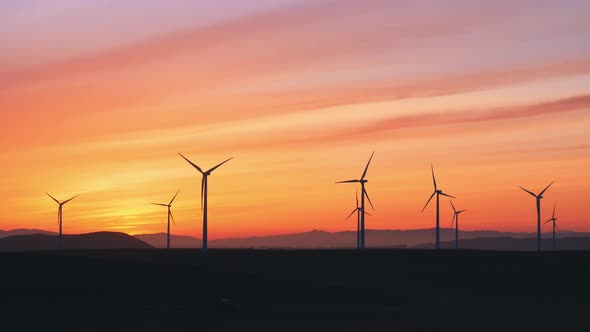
<point>512,244</point>
<point>14,232</point>
<point>318,239</point>
<point>98,240</point>
<point>158,240</point>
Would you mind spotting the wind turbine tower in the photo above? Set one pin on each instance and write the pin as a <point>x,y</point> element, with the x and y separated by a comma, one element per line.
<point>204,183</point>
<point>538,199</point>
<point>364,194</point>
<point>170,216</point>
<point>554,221</point>
<point>438,193</point>
<point>358,210</point>
<point>456,221</point>
<point>60,219</point>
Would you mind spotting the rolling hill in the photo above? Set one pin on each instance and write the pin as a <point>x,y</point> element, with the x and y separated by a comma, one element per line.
<point>158,240</point>
<point>316,239</point>
<point>98,240</point>
<point>14,232</point>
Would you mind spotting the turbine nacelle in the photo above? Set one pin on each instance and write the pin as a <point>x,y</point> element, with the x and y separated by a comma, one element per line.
<point>540,195</point>
<point>353,181</point>
<point>61,203</point>
<point>437,192</point>
<point>206,174</point>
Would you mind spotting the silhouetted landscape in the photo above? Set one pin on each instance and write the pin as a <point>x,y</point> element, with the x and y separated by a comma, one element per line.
<point>410,239</point>
<point>98,240</point>
<point>158,240</point>
<point>418,238</point>
<point>514,244</point>
<point>266,290</point>
<point>14,232</point>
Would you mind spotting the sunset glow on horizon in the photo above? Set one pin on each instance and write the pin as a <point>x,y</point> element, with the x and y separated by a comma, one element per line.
<point>98,97</point>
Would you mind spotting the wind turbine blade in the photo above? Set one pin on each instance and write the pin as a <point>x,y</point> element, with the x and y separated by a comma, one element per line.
<point>159,204</point>
<point>353,211</point>
<point>554,206</point>
<point>454,210</point>
<point>544,190</point>
<point>367,213</point>
<point>172,217</point>
<point>69,199</point>
<point>367,196</point>
<point>367,167</point>
<point>349,181</point>
<point>550,220</point>
<point>357,199</point>
<point>425,205</point>
<point>203,190</point>
<point>453,221</point>
<point>53,198</point>
<point>433,178</point>
<point>173,198</point>
<point>216,167</point>
<point>461,211</point>
<point>447,195</point>
<point>190,162</point>
<point>557,227</point>
<point>528,191</point>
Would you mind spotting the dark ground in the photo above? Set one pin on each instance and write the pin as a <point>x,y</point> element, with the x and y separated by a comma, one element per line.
<point>381,290</point>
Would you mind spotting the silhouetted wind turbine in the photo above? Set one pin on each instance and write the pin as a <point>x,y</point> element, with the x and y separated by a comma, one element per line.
<point>358,220</point>
<point>170,216</point>
<point>456,221</point>
<point>364,194</point>
<point>554,220</point>
<point>60,218</point>
<point>538,198</point>
<point>204,195</point>
<point>436,192</point>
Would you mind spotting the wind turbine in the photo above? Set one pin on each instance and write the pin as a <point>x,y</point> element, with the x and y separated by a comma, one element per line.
<point>554,220</point>
<point>60,218</point>
<point>364,194</point>
<point>456,221</point>
<point>170,216</point>
<point>358,220</point>
<point>538,198</point>
<point>438,193</point>
<point>204,194</point>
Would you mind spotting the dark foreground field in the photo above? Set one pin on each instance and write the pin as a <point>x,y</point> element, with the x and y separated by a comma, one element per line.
<point>395,290</point>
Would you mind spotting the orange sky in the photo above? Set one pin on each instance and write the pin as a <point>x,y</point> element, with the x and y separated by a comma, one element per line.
<point>97,99</point>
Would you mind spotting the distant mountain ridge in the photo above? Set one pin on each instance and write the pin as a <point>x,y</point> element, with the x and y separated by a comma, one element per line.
<point>158,240</point>
<point>98,240</point>
<point>23,231</point>
<point>318,239</point>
